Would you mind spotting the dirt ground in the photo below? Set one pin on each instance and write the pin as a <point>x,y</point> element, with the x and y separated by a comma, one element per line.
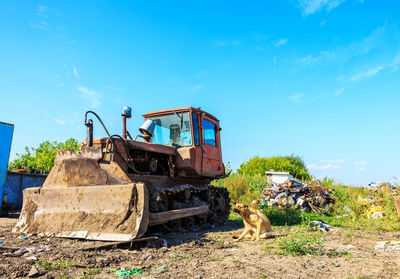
<point>199,254</point>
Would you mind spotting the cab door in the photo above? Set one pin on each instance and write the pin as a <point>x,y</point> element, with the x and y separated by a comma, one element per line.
<point>212,165</point>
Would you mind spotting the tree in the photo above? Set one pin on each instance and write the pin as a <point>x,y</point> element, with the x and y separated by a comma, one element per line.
<point>293,164</point>
<point>41,159</point>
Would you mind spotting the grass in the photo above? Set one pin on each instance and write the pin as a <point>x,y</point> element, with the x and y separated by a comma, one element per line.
<point>352,214</point>
<point>218,258</point>
<point>59,264</point>
<point>335,254</point>
<point>300,241</point>
<point>217,241</point>
<point>90,273</point>
<point>175,257</point>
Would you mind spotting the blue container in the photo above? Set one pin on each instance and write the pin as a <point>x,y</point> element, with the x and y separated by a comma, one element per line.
<point>6,134</point>
<point>17,182</point>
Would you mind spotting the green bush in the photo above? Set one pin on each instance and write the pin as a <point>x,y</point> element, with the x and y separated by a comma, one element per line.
<point>41,159</point>
<point>258,165</point>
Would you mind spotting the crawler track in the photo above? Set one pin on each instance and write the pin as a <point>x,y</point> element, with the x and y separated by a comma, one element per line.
<point>186,195</point>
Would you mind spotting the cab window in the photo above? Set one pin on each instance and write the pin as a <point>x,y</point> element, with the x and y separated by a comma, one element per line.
<point>196,129</point>
<point>209,132</point>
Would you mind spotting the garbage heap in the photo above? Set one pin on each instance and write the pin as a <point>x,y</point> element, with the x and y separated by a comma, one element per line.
<point>294,194</point>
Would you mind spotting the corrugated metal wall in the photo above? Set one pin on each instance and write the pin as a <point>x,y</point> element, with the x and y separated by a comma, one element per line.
<point>16,182</point>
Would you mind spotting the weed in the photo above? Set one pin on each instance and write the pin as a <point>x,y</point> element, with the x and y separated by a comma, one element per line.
<point>174,256</point>
<point>236,261</point>
<point>93,271</point>
<point>63,276</point>
<point>217,241</point>
<point>90,273</point>
<point>335,254</point>
<point>300,242</point>
<point>57,265</point>
<point>218,258</point>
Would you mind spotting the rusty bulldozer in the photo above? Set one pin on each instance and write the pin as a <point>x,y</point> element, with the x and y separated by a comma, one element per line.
<point>115,188</point>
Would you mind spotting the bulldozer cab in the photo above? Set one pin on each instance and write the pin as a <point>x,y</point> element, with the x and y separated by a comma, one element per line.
<point>195,134</point>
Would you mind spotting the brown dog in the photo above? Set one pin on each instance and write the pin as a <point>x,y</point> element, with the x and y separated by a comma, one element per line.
<point>256,225</point>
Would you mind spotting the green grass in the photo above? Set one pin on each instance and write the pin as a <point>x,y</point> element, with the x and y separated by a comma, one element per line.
<point>90,273</point>
<point>245,189</point>
<point>335,254</point>
<point>59,264</point>
<point>300,241</point>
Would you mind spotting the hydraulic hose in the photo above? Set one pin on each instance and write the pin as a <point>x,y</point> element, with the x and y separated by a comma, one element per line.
<point>129,163</point>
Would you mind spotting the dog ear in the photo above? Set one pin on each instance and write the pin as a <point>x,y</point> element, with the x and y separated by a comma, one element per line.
<point>246,206</point>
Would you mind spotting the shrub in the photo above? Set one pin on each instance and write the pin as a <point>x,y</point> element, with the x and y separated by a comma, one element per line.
<point>41,159</point>
<point>292,164</point>
<point>242,188</point>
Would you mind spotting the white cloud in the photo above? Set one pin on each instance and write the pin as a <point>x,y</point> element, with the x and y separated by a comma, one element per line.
<point>90,97</point>
<point>336,161</point>
<point>366,74</point>
<point>338,92</point>
<point>392,64</point>
<point>342,54</point>
<point>75,71</point>
<point>360,163</point>
<point>296,98</point>
<point>42,25</point>
<point>316,167</point>
<point>322,23</point>
<point>39,23</point>
<point>310,7</point>
<point>59,121</point>
<point>281,42</point>
<point>361,169</point>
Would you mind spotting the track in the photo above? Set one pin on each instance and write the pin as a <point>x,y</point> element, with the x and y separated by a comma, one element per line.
<point>184,196</point>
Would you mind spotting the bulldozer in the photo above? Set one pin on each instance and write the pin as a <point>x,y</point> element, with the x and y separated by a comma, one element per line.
<point>117,188</point>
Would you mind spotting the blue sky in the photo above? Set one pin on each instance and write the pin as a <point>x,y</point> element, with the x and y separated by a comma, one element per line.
<point>316,78</point>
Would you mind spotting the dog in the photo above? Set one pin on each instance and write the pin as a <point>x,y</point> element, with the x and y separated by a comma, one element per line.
<point>256,225</point>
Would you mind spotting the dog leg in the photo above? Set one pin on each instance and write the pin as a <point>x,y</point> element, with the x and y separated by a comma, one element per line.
<point>258,231</point>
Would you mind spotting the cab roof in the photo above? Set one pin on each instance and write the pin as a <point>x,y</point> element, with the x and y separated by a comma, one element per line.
<point>177,110</point>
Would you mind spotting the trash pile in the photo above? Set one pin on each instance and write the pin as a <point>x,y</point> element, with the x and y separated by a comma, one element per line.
<point>371,209</point>
<point>295,194</point>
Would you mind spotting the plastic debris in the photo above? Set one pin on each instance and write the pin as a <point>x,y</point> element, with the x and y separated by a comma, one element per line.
<point>134,271</point>
<point>24,238</point>
<point>388,246</point>
<point>296,194</point>
<point>322,226</point>
<point>27,251</point>
<point>375,212</point>
<point>33,272</point>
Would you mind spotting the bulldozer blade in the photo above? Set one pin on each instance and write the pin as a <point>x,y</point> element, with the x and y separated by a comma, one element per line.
<point>96,212</point>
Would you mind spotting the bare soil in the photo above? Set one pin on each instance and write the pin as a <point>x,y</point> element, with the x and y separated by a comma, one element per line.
<point>200,254</point>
